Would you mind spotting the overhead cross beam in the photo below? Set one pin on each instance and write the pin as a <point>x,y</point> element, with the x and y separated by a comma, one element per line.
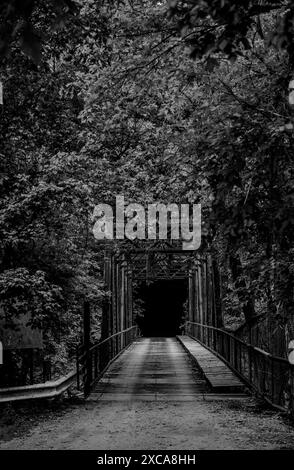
<point>154,260</point>
<point>160,264</point>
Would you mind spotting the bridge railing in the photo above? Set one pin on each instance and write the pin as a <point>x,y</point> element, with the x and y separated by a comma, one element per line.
<point>270,376</point>
<point>92,363</point>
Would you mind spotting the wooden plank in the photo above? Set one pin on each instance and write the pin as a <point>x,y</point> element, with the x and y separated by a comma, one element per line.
<point>216,372</point>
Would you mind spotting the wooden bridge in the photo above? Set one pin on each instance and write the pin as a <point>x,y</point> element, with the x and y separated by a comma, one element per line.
<point>170,350</point>
<point>196,356</point>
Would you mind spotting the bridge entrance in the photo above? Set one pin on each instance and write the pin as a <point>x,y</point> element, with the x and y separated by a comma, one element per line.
<point>163,307</point>
<point>164,278</point>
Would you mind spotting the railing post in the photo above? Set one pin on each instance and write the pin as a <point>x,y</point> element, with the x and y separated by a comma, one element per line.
<point>272,380</point>
<point>87,330</point>
<point>31,362</point>
<point>291,372</point>
<point>228,349</point>
<point>235,354</point>
<point>250,362</point>
<point>96,368</point>
<point>78,368</point>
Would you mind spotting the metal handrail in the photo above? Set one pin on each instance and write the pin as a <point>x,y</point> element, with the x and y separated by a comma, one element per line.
<point>112,336</point>
<point>262,351</point>
<point>272,377</point>
<point>92,363</point>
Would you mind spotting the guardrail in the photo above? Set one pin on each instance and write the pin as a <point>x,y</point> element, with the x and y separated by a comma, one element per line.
<point>90,366</point>
<point>270,376</point>
<point>92,363</point>
<point>48,389</point>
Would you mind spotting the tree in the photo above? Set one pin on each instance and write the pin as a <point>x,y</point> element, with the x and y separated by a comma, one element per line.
<point>115,106</point>
<point>230,27</point>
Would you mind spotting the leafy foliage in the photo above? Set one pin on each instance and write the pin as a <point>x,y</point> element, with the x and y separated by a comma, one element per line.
<point>116,106</point>
<point>231,27</point>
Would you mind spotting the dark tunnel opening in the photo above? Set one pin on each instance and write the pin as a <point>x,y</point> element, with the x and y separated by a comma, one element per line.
<point>162,307</point>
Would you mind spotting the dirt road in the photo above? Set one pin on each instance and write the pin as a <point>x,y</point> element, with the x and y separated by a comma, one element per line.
<point>153,398</point>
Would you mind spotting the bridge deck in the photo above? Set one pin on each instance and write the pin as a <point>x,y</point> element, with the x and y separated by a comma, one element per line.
<point>217,373</point>
<point>152,369</point>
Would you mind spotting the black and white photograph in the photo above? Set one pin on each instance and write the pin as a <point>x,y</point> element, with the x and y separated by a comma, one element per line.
<point>146,232</point>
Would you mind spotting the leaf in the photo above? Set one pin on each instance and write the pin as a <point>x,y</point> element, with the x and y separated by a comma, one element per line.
<point>211,63</point>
